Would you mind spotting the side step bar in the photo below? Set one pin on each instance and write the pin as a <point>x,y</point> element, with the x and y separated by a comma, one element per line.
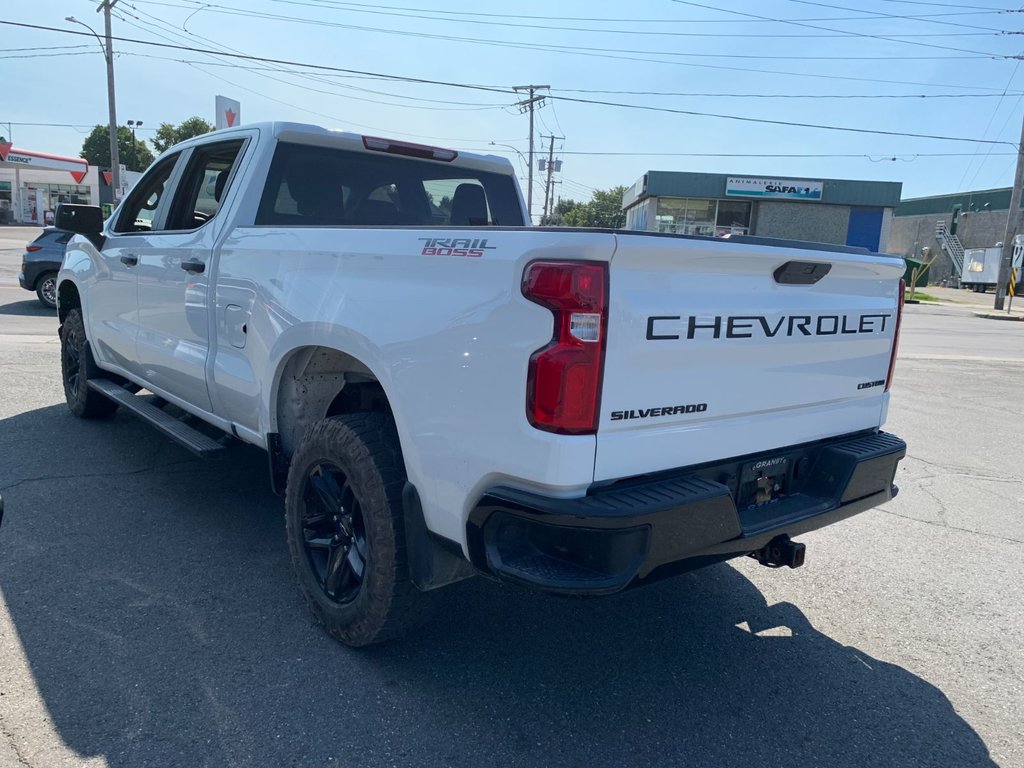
<point>200,444</point>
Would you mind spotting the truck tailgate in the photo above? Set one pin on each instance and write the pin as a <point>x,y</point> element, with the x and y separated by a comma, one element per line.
<point>718,349</point>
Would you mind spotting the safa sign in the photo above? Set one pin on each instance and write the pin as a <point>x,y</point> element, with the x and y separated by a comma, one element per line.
<point>774,189</point>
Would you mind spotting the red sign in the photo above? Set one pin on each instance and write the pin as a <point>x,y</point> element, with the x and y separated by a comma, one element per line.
<point>5,147</point>
<point>230,117</point>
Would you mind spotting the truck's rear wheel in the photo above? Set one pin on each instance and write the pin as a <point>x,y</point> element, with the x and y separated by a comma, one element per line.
<point>77,367</point>
<point>343,512</point>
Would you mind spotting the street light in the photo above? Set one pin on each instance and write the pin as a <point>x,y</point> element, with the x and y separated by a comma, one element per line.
<point>108,54</point>
<point>133,124</point>
<point>522,159</point>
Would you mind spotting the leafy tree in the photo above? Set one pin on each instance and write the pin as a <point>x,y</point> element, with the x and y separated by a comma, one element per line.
<point>557,216</point>
<point>604,210</point>
<point>96,149</point>
<point>167,135</point>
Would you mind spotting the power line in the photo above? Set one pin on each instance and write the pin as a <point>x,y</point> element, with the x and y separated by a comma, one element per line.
<point>826,29</point>
<point>575,100</point>
<point>796,155</point>
<point>48,55</point>
<point>878,14</point>
<point>792,95</point>
<point>67,125</point>
<point>953,5</point>
<point>452,106</point>
<point>476,14</point>
<point>37,48</point>
<point>382,11</point>
<point>603,51</point>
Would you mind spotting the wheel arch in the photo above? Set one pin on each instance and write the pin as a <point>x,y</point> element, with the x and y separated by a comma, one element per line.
<point>68,298</point>
<point>315,381</point>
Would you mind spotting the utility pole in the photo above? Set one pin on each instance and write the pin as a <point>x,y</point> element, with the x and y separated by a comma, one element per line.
<point>525,105</point>
<point>115,157</point>
<point>1012,225</point>
<point>550,169</point>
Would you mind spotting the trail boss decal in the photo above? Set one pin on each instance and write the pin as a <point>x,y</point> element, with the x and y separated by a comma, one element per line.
<point>667,410</point>
<point>671,327</point>
<point>454,246</point>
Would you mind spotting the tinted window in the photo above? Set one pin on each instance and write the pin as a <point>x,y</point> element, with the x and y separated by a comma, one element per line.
<point>310,186</point>
<point>203,185</point>
<point>139,211</point>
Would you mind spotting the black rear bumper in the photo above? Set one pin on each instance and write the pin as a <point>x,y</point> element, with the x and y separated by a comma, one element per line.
<point>646,528</point>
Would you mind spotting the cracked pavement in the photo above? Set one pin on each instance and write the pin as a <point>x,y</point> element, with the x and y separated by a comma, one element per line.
<point>148,615</point>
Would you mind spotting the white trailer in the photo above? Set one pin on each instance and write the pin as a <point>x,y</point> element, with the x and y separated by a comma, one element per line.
<point>981,266</point>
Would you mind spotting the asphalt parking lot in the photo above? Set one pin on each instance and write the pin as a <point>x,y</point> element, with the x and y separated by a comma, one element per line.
<point>148,615</point>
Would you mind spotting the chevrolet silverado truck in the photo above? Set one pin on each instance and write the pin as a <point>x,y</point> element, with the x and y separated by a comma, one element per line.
<point>443,390</point>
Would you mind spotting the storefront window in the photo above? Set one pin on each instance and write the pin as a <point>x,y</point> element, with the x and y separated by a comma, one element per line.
<point>5,202</point>
<point>733,217</point>
<point>696,216</point>
<point>66,193</point>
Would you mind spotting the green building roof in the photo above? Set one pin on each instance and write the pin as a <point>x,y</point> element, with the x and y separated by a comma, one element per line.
<point>885,194</point>
<point>980,200</point>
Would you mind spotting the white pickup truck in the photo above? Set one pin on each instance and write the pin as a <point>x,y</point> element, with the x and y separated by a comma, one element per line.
<point>444,390</point>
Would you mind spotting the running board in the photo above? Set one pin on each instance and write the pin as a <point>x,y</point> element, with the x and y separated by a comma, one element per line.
<point>200,444</point>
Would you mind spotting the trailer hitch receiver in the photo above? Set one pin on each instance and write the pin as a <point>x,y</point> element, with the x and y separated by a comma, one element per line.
<point>781,551</point>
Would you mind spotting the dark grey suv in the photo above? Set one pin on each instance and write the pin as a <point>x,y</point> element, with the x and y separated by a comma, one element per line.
<point>40,263</point>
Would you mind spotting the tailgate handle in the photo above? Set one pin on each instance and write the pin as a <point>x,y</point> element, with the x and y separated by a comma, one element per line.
<point>801,272</point>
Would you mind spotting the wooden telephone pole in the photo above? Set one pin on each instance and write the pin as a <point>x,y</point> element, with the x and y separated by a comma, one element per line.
<point>550,169</point>
<point>1013,221</point>
<point>527,105</point>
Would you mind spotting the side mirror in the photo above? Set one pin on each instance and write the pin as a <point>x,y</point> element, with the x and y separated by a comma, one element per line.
<point>81,219</point>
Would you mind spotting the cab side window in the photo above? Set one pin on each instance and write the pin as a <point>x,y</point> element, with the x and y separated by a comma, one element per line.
<point>140,209</point>
<point>204,185</point>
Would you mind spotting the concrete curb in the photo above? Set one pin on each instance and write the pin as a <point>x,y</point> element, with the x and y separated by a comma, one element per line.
<point>999,316</point>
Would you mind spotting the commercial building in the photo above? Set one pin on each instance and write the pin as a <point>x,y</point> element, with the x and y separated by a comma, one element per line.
<point>947,225</point>
<point>839,211</point>
<point>32,184</point>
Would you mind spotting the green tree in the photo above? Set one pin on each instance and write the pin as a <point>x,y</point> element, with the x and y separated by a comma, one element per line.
<point>96,149</point>
<point>168,134</point>
<point>604,210</point>
<point>557,216</point>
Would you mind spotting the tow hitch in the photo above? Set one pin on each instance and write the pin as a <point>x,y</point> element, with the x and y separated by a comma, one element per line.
<point>781,551</point>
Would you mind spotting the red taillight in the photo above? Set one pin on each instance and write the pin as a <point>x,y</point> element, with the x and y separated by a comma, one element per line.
<point>563,388</point>
<point>896,336</point>
<point>33,248</point>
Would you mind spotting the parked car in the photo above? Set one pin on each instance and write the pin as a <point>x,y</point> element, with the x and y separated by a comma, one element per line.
<point>41,262</point>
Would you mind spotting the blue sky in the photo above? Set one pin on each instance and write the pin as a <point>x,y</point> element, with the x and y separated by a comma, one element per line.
<point>712,56</point>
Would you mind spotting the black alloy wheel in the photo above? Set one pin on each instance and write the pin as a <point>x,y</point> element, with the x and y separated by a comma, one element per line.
<point>77,367</point>
<point>72,350</point>
<point>333,531</point>
<point>345,524</point>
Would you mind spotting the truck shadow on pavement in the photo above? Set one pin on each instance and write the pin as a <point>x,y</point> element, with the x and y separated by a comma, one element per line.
<point>154,603</point>
<point>30,308</point>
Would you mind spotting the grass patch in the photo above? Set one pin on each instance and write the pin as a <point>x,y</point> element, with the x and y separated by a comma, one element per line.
<point>921,296</point>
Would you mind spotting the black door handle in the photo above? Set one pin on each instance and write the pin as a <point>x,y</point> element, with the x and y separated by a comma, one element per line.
<point>130,259</point>
<point>196,267</point>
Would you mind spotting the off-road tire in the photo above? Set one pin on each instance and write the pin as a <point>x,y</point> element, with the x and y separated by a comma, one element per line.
<point>364,448</point>
<point>46,290</point>
<point>77,368</point>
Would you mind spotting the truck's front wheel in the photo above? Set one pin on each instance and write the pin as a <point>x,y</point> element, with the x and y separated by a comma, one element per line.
<point>343,512</point>
<point>77,367</point>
